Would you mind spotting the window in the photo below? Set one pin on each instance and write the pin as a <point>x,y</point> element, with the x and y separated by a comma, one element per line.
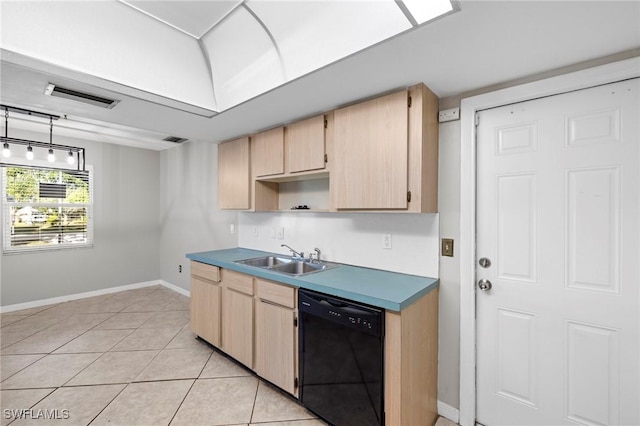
<point>44,209</point>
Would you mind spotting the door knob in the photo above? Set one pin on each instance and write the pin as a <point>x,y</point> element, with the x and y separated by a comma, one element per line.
<point>484,285</point>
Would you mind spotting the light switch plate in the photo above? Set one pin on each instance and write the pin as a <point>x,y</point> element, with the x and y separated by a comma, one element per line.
<point>447,247</point>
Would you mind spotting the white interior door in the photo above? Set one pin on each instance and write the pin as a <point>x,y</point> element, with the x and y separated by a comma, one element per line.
<point>558,219</point>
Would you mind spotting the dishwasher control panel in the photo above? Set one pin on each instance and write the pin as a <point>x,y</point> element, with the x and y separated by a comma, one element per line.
<point>349,314</point>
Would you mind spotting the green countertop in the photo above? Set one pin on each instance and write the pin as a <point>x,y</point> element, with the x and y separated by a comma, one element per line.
<point>384,289</point>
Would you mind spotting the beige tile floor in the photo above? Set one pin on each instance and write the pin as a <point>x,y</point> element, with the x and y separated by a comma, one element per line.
<point>128,358</point>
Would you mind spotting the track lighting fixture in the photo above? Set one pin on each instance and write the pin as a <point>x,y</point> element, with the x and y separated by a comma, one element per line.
<point>75,154</point>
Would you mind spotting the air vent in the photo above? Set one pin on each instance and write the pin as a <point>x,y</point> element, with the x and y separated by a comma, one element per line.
<point>74,95</point>
<point>174,139</point>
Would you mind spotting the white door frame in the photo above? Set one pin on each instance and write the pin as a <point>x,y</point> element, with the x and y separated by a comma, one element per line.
<point>603,74</point>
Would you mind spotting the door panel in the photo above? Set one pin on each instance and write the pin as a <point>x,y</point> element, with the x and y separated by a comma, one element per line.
<point>558,215</point>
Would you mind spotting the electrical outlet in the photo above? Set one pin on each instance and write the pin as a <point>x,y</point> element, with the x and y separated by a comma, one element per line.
<point>273,233</point>
<point>232,228</point>
<point>255,231</point>
<point>386,241</point>
<point>281,233</point>
<point>179,269</point>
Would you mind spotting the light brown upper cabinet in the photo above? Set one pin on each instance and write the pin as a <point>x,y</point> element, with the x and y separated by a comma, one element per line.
<point>371,146</point>
<point>267,152</point>
<point>234,174</point>
<point>386,153</point>
<point>305,145</point>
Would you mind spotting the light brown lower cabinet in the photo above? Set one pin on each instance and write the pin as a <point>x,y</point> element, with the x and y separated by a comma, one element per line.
<point>411,363</point>
<point>255,321</point>
<point>237,316</point>
<point>206,302</point>
<point>276,350</point>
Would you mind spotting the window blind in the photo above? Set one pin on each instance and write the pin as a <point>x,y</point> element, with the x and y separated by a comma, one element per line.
<point>44,209</point>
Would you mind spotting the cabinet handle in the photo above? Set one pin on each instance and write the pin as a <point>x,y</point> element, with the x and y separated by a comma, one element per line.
<point>269,302</point>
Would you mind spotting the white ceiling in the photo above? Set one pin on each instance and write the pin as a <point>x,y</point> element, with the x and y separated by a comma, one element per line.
<point>484,44</point>
<point>194,18</point>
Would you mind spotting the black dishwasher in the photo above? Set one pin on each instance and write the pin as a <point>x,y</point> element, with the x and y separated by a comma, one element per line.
<point>341,347</point>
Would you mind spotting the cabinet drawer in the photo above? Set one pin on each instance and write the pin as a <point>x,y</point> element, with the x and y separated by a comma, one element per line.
<point>207,272</point>
<point>276,293</point>
<point>239,282</point>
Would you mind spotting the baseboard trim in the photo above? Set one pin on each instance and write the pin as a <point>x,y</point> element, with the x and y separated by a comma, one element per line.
<point>67,298</point>
<point>448,412</point>
<point>175,288</point>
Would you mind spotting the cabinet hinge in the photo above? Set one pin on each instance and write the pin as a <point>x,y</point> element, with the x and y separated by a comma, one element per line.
<point>295,322</point>
<point>295,383</point>
<point>409,102</point>
<point>326,158</point>
<point>408,196</point>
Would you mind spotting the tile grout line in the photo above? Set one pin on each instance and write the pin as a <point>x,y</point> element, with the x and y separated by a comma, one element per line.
<point>184,398</point>
<point>108,404</point>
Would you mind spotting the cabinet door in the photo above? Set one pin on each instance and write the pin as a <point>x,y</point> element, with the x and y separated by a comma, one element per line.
<point>370,167</point>
<point>237,325</point>
<point>275,344</point>
<point>267,152</point>
<point>205,310</point>
<point>306,145</point>
<point>234,168</point>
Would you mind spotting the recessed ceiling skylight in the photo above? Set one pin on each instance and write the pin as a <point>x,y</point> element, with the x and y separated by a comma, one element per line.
<point>253,46</point>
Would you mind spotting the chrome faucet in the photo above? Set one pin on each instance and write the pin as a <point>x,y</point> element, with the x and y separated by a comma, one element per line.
<point>301,254</point>
<point>317,250</point>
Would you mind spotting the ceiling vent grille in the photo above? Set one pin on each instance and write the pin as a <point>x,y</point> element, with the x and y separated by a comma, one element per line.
<point>174,139</point>
<point>74,95</point>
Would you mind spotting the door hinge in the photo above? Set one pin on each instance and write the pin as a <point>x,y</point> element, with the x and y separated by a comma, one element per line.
<point>477,118</point>
<point>326,158</point>
<point>326,123</point>
<point>295,383</point>
<point>295,322</point>
<point>408,196</point>
<point>409,102</point>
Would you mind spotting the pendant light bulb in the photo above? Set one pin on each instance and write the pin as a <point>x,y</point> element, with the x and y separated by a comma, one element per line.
<point>6,152</point>
<point>51,157</point>
<point>70,158</point>
<point>29,152</point>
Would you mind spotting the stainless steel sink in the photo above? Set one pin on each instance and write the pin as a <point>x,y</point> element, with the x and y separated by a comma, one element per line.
<point>266,261</point>
<point>287,265</point>
<point>300,268</point>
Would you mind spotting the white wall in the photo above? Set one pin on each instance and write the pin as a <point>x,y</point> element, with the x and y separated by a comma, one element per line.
<point>126,225</point>
<point>189,217</point>
<point>449,308</point>
<point>352,238</point>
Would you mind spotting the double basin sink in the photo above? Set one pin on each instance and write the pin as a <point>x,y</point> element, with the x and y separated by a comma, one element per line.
<point>288,265</point>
